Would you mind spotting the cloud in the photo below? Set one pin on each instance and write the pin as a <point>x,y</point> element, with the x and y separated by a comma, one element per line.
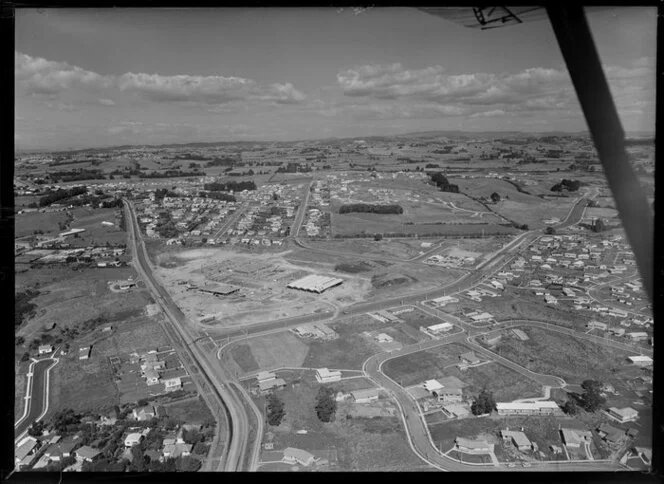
<point>41,76</point>
<point>38,76</point>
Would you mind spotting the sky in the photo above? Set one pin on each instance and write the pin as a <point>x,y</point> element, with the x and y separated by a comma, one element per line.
<point>108,77</point>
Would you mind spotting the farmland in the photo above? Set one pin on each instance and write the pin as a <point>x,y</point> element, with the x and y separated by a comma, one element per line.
<point>268,352</point>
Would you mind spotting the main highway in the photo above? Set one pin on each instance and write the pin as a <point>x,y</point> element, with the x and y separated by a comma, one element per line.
<point>209,375</point>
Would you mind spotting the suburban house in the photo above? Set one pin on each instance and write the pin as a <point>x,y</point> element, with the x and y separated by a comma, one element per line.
<point>45,349</point>
<point>491,340</point>
<point>469,358</point>
<point>520,334</point>
<point>518,438</point>
<point>622,415</point>
<point>172,384</point>
<point>470,445</point>
<point>267,385</point>
<point>437,329</point>
<point>448,394</point>
<point>596,325</point>
<point>133,439</point>
<point>24,453</point>
<point>323,375</point>
<point>527,408</point>
<point>365,396</point>
<point>144,413</point>
<point>177,450</point>
<point>299,456</point>
<point>610,433</point>
<point>432,385</point>
<point>151,376</point>
<point>574,438</point>
<point>265,376</point>
<point>637,336</point>
<point>60,450</point>
<point>87,454</point>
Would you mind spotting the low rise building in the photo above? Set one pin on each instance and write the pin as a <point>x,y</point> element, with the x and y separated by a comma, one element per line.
<point>527,408</point>
<point>299,456</point>
<point>622,415</point>
<point>365,396</point>
<point>472,446</point>
<point>518,438</point>
<point>323,375</point>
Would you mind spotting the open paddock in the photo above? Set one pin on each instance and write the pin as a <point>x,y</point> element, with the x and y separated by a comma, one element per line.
<point>570,358</point>
<point>272,351</point>
<point>47,222</point>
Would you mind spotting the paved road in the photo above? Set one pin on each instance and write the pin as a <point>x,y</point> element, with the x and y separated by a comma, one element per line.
<point>37,392</point>
<point>206,370</point>
<point>301,211</point>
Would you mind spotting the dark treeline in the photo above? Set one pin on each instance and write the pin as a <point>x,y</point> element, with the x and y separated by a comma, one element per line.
<point>218,196</point>
<point>571,185</point>
<point>369,208</point>
<point>169,174</point>
<point>441,182</point>
<point>76,175</point>
<point>230,186</point>
<point>221,162</point>
<point>61,194</point>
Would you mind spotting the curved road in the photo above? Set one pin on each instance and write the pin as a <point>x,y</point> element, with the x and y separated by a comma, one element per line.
<point>36,395</point>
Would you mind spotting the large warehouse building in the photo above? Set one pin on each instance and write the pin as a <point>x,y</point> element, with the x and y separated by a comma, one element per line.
<point>314,283</point>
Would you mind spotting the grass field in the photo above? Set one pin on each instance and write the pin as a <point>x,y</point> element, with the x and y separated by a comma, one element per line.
<point>71,297</point>
<point>347,352</point>
<point>572,359</point>
<point>190,411</point>
<point>272,351</point>
<point>359,444</point>
<point>243,356</point>
<point>415,368</point>
<point>96,233</point>
<point>27,224</point>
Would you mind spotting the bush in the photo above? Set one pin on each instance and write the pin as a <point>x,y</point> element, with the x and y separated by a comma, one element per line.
<point>326,405</point>
<point>275,410</point>
<point>484,403</point>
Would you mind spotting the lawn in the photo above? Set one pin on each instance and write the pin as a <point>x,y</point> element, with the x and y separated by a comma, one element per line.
<point>28,223</point>
<point>348,352</point>
<point>96,233</point>
<point>190,411</point>
<point>243,356</point>
<point>273,351</point>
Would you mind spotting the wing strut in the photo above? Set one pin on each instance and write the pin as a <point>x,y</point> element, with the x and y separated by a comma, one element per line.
<point>584,66</point>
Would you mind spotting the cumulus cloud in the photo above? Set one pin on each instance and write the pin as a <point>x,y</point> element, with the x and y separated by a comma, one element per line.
<point>525,92</point>
<point>43,77</point>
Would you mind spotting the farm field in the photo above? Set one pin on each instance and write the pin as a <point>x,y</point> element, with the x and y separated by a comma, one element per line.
<point>47,222</point>
<point>348,352</point>
<point>572,359</point>
<point>69,298</point>
<point>415,368</point>
<point>361,444</point>
<point>96,233</point>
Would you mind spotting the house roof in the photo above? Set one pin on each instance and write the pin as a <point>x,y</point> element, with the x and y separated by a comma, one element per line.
<point>366,393</point>
<point>519,438</point>
<point>298,454</point>
<point>87,452</point>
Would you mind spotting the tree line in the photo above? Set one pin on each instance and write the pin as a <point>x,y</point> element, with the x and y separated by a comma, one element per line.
<point>441,182</point>
<point>370,208</point>
<point>61,194</point>
<point>230,186</point>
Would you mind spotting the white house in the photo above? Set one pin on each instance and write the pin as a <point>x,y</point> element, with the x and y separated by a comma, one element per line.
<point>641,360</point>
<point>623,415</point>
<point>323,375</point>
<point>302,457</point>
<point>45,349</point>
<point>173,384</point>
<point>133,439</point>
<point>365,396</point>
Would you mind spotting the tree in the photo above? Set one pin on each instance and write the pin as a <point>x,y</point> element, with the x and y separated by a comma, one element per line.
<point>275,410</point>
<point>36,429</point>
<point>25,357</point>
<point>598,225</point>
<point>64,418</point>
<point>549,231</point>
<point>326,405</point>
<point>378,237</point>
<point>19,340</point>
<point>484,403</point>
<point>591,399</point>
<point>570,407</point>
<point>495,197</point>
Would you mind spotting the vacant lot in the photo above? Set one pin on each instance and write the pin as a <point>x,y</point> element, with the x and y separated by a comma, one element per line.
<point>192,411</point>
<point>69,298</point>
<point>96,233</point>
<point>347,352</point>
<point>506,384</point>
<point>559,354</point>
<point>271,351</point>
<point>358,443</point>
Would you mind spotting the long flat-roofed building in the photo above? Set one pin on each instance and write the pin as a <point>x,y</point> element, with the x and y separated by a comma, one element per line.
<point>219,289</point>
<point>315,283</point>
